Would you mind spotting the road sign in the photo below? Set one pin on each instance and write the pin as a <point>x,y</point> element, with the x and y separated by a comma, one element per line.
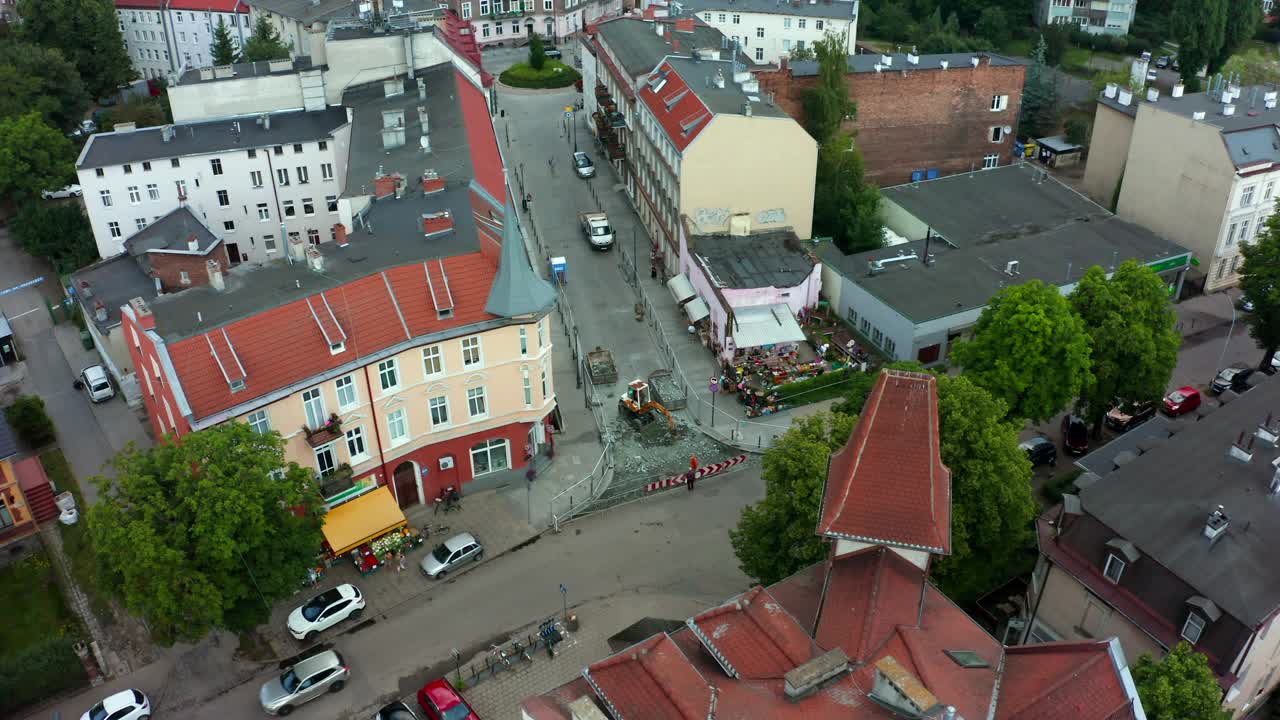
<point>568,114</point>
<point>568,109</point>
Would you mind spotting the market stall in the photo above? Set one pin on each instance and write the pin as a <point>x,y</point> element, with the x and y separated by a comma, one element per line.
<point>370,529</point>
<point>770,349</point>
<point>681,289</point>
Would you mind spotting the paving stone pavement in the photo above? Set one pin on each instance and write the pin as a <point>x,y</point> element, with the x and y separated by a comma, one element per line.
<point>110,661</point>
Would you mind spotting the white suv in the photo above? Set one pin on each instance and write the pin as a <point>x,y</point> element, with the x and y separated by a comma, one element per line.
<point>326,610</point>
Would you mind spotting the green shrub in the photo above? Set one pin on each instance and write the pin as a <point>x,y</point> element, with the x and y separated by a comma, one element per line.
<point>554,74</point>
<point>38,672</point>
<point>537,55</point>
<point>822,387</point>
<point>28,418</point>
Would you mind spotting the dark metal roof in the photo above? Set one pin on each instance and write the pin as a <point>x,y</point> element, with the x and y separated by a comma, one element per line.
<point>699,75</point>
<point>243,70</point>
<point>171,232</point>
<point>1161,500</point>
<point>114,281</point>
<point>115,148</point>
<point>517,289</point>
<point>638,47</point>
<point>834,9</point>
<point>8,441</point>
<point>768,259</point>
<point>866,63</point>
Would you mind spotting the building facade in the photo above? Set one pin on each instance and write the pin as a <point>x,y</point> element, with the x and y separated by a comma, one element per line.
<point>1173,545</point>
<point>1198,168</point>
<point>768,31</point>
<point>164,38</point>
<point>1110,17</point>
<point>919,116</point>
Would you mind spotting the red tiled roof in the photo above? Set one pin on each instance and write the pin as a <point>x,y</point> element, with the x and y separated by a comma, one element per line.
<point>482,141</point>
<point>755,636</point>
<point>363,307</point>
<point>683,112</point>
<point>653,680</point>
<point>1063,681</point>
<point>888,484</point>
<point>222,6</point>
<point>868,594</point>
<point>801,594</point>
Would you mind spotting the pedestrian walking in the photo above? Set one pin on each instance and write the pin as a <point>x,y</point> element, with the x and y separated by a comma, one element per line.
<point>400,557</point>
<point>689,477</point>
<point>551,164</point>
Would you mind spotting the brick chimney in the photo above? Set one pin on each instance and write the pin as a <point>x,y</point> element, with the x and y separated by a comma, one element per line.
<point>684,25</point>
<point>142,311</point>
<point>384,186</point>
<point>193,244</point>
<point>437,223</point>
<point>340,234</point>
<point>432,182</point>
<point>650,13</point>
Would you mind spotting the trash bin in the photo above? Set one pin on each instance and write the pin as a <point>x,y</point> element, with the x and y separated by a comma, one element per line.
<point>571,622</point>
<point>86,339</point>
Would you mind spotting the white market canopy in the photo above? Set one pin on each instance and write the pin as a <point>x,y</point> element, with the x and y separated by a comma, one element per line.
<point>681,288</point>
<point>696,309</point>
<point>762,325</point>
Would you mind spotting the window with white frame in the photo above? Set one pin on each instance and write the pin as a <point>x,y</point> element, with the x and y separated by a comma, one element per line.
<point>216,164</point>
<point>759,32</point>
<point>524,342</point>
<point>223,198</point>
<point>326,463</point>
<point>1246,196</point>
<point>997,133</point>
<point>141,223</point>
<point>289,209</point>
<point>817,25</point>
<point>356,449</point>
<point>477,406</point>
<point>308,207</point>
<point>801,22</point>
<point>466,11</point>
<point>439,409</point>
<point>990,161</point>
<point>153,191</point>
<point>114,229</point>
<point>759,54</point>
<point>259,421</point>
<point>282,176</point>
<point>388,375</point>
<point>543,373</point>
<point>1231,233</point>
<point>489,456</point>
<point>1193,628</point>
<point>326,171</point>
<point>304,176</point>
<point>398,426</point>
<point>432,361</point>
<point>1244,231</point>
<point>313,408</point>
<point>135,196</point>
<point>471,352</point>
<point>255,177</point>
<point>484,7</point>
<point>548,5</point>
<point>737,19</point>
<point>264,213</point>
<point>999,102</point>
<point>720,18</point>
<point>181,186</point>
<point>786,23</point>
<point>313,236</point>
<point>1269,190</point>
<point>528,389</point>
<point>106,197</point>
<point>1114,568</point>
<point>331,202</point>
<point>347,396</point>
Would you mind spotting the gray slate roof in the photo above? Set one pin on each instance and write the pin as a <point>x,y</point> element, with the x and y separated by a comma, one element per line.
<point>1259,145</point>
<point>992,217</point>
<point>697,74</point>
<point>834,9</point>
<point>517,289</point>
<point>171,232</point>
<point>196,76</point>
<point>866,63</point>
<point>116,148</point>
<point>8,440</point>
<point>114,281</point>
<point>639,48</point>
<point>768,259</point>
<point>1160,502</point>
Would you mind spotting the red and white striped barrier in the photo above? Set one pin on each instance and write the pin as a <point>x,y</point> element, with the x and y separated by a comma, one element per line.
<point>697,474</point>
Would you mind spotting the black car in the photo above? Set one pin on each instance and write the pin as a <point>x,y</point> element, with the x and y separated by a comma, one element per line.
<point>396,711</point>
<point>1040,451</point>
<point>1075,435</point>
<point>552,52</point>
<point>1233,378</point>
<point>1126,416</point>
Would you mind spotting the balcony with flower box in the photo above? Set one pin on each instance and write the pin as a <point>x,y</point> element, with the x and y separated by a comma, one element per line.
<point>325,434</point>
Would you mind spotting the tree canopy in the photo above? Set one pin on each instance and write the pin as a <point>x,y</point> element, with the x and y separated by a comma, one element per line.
<point>59,233</point>
<point>265,43</point>
<point>827,105</point>
<point>992,508</point>
<point>1199,27</point>
<point>1134,337</point>
<point>1038,114</point>
<point>195,534</point>
<point>88,34</point>
<point>778,535</point>
<point>537,53</point>
<point>1179,686</point>
<point>223,48</point>
<point>33,157</point>
<point>40,79</point>
<point>1260,284</point>
<point>1239,25</point>
<point>1029,349</point>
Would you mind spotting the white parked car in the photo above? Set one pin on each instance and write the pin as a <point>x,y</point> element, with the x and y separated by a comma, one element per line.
<point>124,705</point>
<point>66,192</point>
<point>97,383</point>
<point>326,610</point>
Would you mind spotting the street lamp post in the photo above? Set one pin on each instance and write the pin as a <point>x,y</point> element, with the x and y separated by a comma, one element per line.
<point>715,390</point>
<point>1222,355</point>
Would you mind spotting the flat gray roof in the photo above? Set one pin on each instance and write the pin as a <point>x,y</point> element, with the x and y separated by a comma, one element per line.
<point>866,63</point>
<point>1059,144</point>
<point>698,75</point>
<point>243,70</point>
<point>309,11</point>
<point>1160,501</point>
<point>835,9</point>
<point>768,259</point>
<point>991,217</point>
<point>638,47</point>
<point>129,146</point>
<point>114,281</point>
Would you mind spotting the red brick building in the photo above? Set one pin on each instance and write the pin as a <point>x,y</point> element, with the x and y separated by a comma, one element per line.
<point>920,116</point>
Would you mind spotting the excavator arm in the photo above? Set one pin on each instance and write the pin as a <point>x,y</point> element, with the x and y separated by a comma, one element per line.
<point>651,406</point>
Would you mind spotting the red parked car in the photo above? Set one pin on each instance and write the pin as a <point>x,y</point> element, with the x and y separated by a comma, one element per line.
<point>1181,401</point>
<point>441,702</point>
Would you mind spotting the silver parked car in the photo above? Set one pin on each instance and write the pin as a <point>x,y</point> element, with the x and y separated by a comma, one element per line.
<point>450,554</point>
<point>307,680</point>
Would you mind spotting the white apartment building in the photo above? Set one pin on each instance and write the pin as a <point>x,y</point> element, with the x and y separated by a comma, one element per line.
<point>1110,17</point>
<point>768,30</point>
<point>162,37</point>
<point>255,181</point>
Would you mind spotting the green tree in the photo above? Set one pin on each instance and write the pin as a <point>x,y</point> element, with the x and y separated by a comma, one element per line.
<point>1077,131</point>
<point>1029,349</point>
<point>992,508</point>
<point>1241,21</point>
<point>1179,686</point>
<point>845,206</point>
<point>894,23</point>
<point>59,233</point>
<point>223,47</point>
<point>861,385</point>
<point>1134,338</point>
<point>40,79</point>
<point>33,157</point>
<point>994,26</point>
<point>827,105</point>
<point>1260,283</point>
<point>1199,27</point>
<point>88,34</point>
<point>1253,67</point>
<point>196,534</point>
<point>777,536</point>
<point>537,53</point>
<point>144,111</point>
<point>1038,114</point>
<point>29,419</point>
<point>265,43</point>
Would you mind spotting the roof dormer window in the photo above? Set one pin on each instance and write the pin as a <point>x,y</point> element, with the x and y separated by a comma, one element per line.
<point>1201,612</point>
<point>1193,627</point>
<point>1121,554</point>
<point>1114,568</point>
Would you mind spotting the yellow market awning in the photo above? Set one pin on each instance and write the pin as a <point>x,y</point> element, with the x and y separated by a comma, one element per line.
<point>354,523</point>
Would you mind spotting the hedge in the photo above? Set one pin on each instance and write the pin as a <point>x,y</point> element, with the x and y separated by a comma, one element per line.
<point>554,74</point>
<point>827,385</point>
<point>39,672</point>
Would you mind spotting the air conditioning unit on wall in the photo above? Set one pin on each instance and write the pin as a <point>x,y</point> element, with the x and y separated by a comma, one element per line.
<point>446,462</point>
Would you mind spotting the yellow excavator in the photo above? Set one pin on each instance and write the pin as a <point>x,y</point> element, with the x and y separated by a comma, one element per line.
<point>639,403</point>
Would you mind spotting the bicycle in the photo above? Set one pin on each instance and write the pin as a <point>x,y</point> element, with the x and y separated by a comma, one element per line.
<point>428,530</point>
<point>502,656</point>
